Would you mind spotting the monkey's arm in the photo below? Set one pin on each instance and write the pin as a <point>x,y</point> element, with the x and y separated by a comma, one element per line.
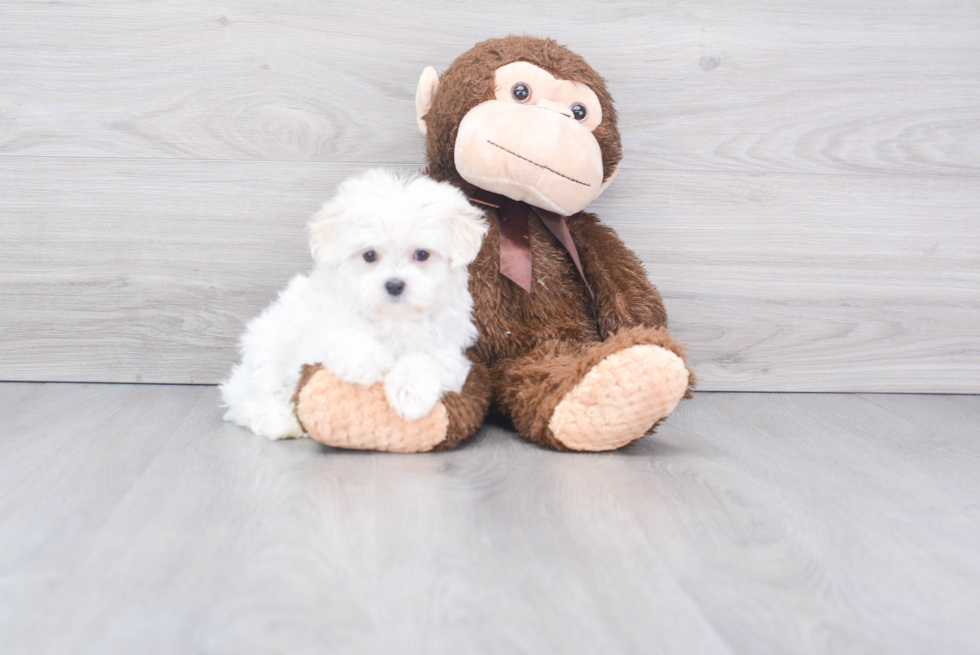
<point>623,296</point>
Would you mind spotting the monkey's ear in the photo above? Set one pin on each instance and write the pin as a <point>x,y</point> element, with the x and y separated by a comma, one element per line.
<point>428,83</point>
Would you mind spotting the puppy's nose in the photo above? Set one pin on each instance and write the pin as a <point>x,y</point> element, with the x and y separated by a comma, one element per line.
<point>395,286</point>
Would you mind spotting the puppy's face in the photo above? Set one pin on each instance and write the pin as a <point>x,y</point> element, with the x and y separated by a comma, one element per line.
<point>391,271</point>
<point>399,246</point>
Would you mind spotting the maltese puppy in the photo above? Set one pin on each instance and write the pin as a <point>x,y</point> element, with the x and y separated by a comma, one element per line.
<point>387,300</point>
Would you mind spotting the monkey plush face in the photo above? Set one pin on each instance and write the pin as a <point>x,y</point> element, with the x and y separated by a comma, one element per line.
<point>522,117</point>
<point>533,141</point>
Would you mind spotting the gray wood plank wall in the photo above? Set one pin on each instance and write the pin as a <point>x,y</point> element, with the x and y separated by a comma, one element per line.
<point>802,180</point>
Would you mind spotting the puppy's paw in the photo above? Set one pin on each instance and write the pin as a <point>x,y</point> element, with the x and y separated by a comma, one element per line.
<point>269,422</point>
<point>359,364</point>
<point>364,375</point>
<point>412,394</point>
<point>278,426</point>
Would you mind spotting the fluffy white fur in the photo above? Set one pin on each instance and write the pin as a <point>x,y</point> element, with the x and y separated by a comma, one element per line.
<point>342,315</point>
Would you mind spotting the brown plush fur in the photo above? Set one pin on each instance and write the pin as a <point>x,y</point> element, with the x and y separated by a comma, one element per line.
<point>467,409</point>
<point>538,346</point>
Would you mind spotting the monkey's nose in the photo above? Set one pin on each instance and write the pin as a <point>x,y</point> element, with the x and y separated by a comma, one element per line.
<point>395,286</point>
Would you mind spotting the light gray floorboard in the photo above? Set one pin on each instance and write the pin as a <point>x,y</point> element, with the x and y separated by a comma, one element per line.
<point>133,520</point>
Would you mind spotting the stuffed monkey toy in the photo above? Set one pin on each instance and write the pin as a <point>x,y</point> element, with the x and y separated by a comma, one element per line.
<point>573,345</point>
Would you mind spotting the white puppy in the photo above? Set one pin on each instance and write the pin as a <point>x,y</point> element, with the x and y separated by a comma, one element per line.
<point>388,299</point>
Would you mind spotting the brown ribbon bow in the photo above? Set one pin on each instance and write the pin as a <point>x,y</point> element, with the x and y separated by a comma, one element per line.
<point>515,239</point>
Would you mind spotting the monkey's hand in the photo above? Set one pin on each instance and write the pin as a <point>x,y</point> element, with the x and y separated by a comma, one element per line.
<point>624,298</point>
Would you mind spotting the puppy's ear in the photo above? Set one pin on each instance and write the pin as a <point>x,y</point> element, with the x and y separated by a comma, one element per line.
<point>324,235</point>
<point>467,227</point>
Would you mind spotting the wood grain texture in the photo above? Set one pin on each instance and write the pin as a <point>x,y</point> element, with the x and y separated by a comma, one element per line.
<point>802,184</point>
<point>146,271</point>
<point>133,520</point>
<point>868,87</point>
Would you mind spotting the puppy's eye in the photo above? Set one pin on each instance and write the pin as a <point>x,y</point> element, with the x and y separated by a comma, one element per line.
<point>370,256</point>
<point>520,92</point>
<point>579,111</point>
<point>421,255</point>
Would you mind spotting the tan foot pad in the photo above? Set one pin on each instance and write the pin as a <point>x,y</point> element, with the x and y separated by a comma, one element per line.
<point>345,415</point>
<point>620,399</point>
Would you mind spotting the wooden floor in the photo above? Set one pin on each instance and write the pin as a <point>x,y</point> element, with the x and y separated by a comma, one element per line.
<point>133,520</point>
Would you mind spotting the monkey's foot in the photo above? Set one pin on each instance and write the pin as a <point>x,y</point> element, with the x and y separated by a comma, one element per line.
<point>620,399</point>
<point>346,415</point>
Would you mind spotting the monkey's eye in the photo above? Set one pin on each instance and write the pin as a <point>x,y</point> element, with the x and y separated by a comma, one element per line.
<point>520,92</point>
<point>421,255</point>
<point>370,256</point>
<point>578,111</point>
